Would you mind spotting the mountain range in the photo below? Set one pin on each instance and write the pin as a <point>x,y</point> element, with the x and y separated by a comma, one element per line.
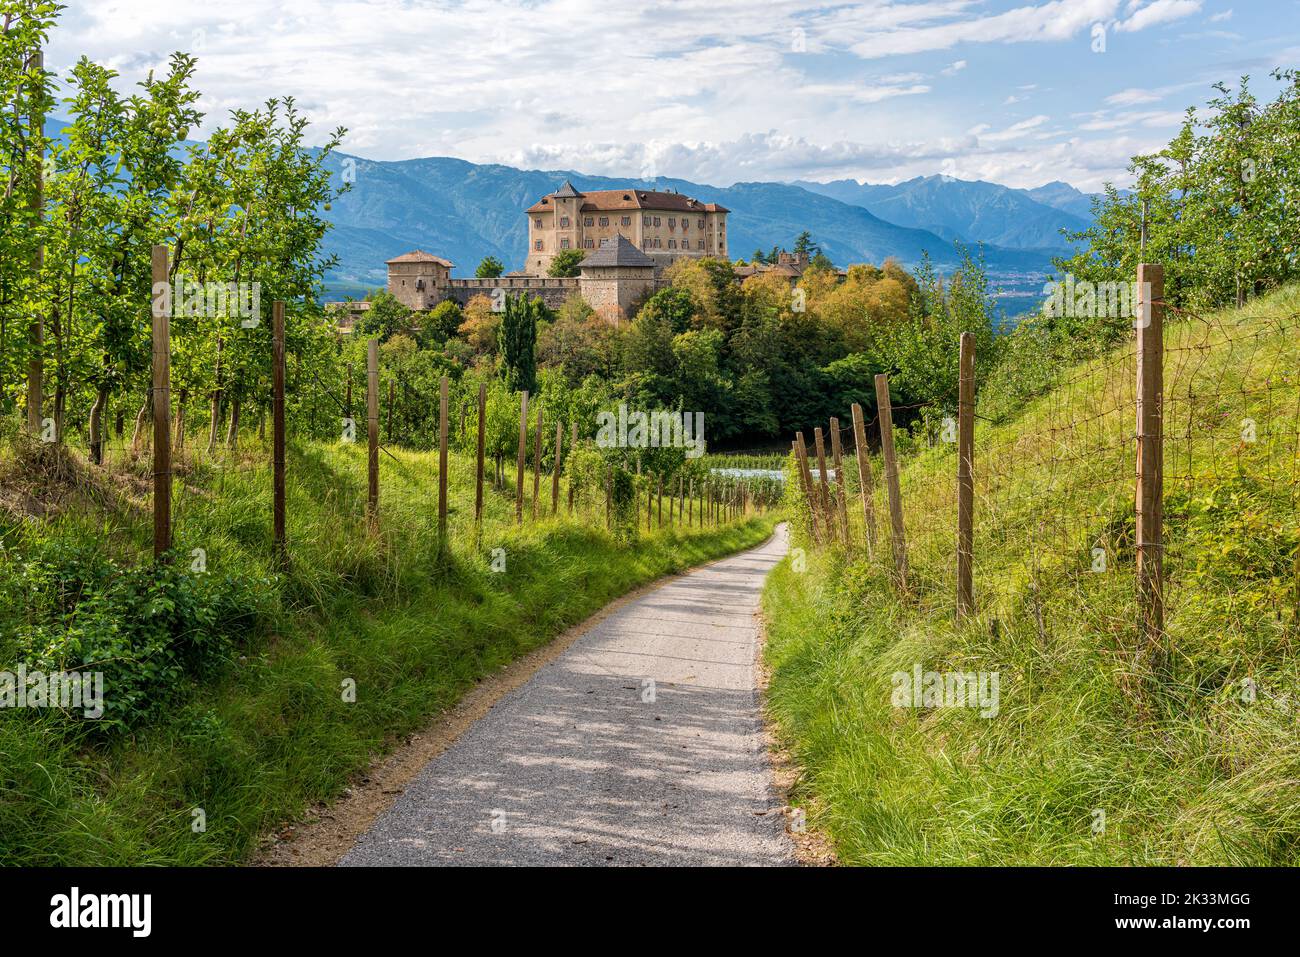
<point>466,211</point>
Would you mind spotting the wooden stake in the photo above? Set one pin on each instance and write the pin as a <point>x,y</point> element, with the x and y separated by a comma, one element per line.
<point>555,472</point>
<point>36,333</point>
<point>277,426</point>
<point>482,434</point>
<point>442,462</point>
<point>162,429</point>
<point>823,486</point>
<point>573,447</point>
<point>840,488</point>
<point>537,460</point>
<point>966,476</point>
<point>372,429</point>
<point>661,501</point>
<point>897,541</point>
<point>805,479</point>
<point>1150,451</point>
<point>523,454</point>
<point>865,482</point>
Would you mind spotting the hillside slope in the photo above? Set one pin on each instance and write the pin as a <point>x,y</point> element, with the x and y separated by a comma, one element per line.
<point>1099,749</point>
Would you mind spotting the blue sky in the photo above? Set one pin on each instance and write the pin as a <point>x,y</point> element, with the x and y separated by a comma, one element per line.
<point>1014,91</point>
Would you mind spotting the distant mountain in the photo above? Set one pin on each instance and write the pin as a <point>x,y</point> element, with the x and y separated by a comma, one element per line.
<point>971,211</point>
<point>466,211</point>
<point>1064,197</point>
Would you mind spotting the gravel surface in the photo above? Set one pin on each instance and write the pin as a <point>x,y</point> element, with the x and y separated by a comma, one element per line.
<point>641,745</point>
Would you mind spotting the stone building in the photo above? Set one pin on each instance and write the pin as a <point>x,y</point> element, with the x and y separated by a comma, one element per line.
<point>665,226</point>
<point>614,278</point>
<point>617,278</point>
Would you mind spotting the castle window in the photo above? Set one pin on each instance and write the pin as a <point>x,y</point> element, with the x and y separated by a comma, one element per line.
<point>672,222</point>
<point>588,243</point>
<point>658,243</point>
<point>686,224</point>
<point>537,222</point>
<point>645,220</point>
<point>672,244</point>
<point>701,243</point>
<point>627,220</point>
<point>587,221</point>
<point>564,222</point>
<point>656,220</point>
<point>538,245</point>
<point>701,224</point>
<point>564,244</point>
<point>604,220</point>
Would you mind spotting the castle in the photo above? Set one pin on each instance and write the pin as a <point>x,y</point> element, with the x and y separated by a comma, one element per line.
<point>632,236</point>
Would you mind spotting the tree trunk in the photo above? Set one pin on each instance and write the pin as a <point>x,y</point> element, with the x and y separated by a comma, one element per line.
<point>232,434</point>
<point>215,427</point>
<point>96,427</point>
<point>120,424</point>
<point>138,434</point>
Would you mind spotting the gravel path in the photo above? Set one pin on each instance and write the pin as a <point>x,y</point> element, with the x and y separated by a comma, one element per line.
<point>580,767</point>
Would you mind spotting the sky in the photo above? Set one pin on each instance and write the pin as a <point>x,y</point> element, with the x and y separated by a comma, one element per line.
<point>1018,92</point>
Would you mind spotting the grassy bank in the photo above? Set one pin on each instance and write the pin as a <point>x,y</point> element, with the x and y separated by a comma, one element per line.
<point>1102,751</point>
<point>255,727</point>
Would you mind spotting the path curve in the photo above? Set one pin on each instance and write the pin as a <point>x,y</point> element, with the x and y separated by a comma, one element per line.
<point>575,768</point>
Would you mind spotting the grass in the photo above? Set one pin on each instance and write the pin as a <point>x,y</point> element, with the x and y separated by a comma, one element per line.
<point>271,733</point>
<point>1105,750</point>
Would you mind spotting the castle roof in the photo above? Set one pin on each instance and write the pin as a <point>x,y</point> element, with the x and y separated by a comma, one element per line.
<point>600,200</point>
<point>618,252</point>
<point>420,256</point>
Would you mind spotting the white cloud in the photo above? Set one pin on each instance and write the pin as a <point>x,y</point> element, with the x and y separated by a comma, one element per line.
<point>954,68</point>
<point>1158,12</point>
<point>1221,17</point>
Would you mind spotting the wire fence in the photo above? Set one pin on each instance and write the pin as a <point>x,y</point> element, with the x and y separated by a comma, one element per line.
<point>1056,490</point>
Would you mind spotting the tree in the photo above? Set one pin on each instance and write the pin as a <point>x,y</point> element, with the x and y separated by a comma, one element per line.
<point>565,264</point>
<point>673,304</point>
<point>481,326</point>
<point>441,323</point>
<point>804,245</point>
<point>518,341</point>
<point>490,268</point>
<point>385,318</point>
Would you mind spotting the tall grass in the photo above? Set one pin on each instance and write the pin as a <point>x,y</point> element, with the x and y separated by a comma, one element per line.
<point>1102,752</point>
<point>411,624</point>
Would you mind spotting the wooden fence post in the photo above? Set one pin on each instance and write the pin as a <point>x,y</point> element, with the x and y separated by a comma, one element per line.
<point>690,505</point>
<point>573,447</point>
<point>823,486</point>
<point>537,460</point>
<point>661,501</point>
<point>162,429</point>
<point>482,434</point>
<point>865,481</point>
<point>523,455</point>
<point>897,539</point>
<point>966,476</point>
<point>555,473</point>
<point>36,332</point>
<point>442,463</point>
<point>372,429</point>
<point>649,504</point>
<point>609,498</point>
<point>1150,451</point>
<point>277,426</point>
<point>805,479</point>
<point>840,488</point>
